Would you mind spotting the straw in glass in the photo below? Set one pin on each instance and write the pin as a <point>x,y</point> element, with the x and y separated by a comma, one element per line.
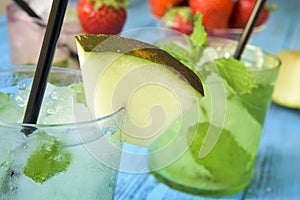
<point>248,28</point>
<point>53,29</point>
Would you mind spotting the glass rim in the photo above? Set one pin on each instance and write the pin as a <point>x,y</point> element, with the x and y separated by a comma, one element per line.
<point>165,23</point>
<point>234,30</point>
<point>251,48</point>
<point>83,123</point>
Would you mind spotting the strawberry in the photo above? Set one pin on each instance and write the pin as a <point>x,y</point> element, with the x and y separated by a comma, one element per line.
<point>216,13</point>
<point>183,25</point>
<point>159,7</point>
<point>100,16</point>
<point>241,12</point>
<point>179,19</point>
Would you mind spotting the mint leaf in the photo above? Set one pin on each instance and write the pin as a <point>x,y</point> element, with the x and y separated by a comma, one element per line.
<point>227,162</point>
<point>258,101</point>
<point>199,34</point>
<point>79,90</point>
<point>49,159</point>
<point>4,99</point>
<point>198,40</point>
<point>196,43</point>
<point>236,74</point>
<point>9,111</point>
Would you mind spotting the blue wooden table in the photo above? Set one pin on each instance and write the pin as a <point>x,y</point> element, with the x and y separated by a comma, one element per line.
<point>278,164</point>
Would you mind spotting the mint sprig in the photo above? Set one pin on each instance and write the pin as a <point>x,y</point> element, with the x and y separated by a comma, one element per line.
<point>4,99</point>
<point>227,162</point>
<point>48,159</point>
<point>199,35</point>
<point>236,74</point>
<point>233,71</point>
<point>189,54</point>
<point>79,90</point>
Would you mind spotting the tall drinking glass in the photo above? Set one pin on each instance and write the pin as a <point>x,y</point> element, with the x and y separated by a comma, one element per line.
<point>223,144</point>
<point>69,155</point>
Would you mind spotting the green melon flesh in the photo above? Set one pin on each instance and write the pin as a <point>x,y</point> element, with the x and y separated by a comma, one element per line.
<point>153,95</point>
<point>286,90</point>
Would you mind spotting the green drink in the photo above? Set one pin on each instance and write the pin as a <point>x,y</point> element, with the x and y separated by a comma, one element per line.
<point>199,142</point>
<point>223,143</point>
<point>68,156</point>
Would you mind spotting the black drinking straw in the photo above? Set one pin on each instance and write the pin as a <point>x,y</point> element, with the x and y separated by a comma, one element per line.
<point>26,8</point>
<point>53,29</point>
<point>249,28</point>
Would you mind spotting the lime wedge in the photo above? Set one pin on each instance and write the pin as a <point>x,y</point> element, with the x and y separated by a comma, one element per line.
<point>286,90</point>
<point>150,84</point>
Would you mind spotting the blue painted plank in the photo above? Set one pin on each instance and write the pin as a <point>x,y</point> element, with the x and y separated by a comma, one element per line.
<point>279,27</point>
<point>139,16</point>
<point>279,157</point>
<point>294,42</point>
<point>145,187</point>
<point>4,45</point>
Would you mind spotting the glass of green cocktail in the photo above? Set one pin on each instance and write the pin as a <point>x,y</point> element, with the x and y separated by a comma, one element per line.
<point>199,142</point>
<point>223,144</point>
<point>69,155</point>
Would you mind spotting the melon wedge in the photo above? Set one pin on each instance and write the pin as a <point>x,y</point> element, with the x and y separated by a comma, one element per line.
<point>154,88</point>
<point>286,90</point>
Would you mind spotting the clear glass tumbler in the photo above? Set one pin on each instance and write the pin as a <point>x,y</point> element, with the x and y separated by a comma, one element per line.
<point>222,146</point>
<point>26,36</point>
<point>68,155</point>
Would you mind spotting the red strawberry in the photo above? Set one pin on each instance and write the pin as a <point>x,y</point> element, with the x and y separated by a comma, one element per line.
<point>241,12</point>
<point>100,16</point>
<point>183,25</point>
<point>216,13</point>
<point>179,19</point>
<point>159,7</point>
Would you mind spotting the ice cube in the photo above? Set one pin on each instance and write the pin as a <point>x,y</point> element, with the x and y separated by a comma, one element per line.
<point>59,106</point>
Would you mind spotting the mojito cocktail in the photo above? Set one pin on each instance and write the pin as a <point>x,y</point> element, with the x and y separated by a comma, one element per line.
<point>68,155</point>
<point>199,144</point>
<point>224,142</point>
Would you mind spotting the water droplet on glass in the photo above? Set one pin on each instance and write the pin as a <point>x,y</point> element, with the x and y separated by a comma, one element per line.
<point>54,95</point>
<point>5,165</point>
<point>24,83</point>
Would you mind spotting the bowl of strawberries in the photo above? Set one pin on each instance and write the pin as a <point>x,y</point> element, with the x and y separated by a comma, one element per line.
<point>221,18</point>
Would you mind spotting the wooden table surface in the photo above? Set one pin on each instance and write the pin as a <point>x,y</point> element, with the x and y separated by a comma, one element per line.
<point>277,169</point>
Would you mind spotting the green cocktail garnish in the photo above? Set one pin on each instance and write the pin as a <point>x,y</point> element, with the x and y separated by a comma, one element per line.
<point>233,71</point>
<point>258,101</point>
<point>79,90</point>
<point>236,74</point>
<point>4,99</point>
<point>47,160</point>
<point>228,162</point>
<point>8,110</point>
